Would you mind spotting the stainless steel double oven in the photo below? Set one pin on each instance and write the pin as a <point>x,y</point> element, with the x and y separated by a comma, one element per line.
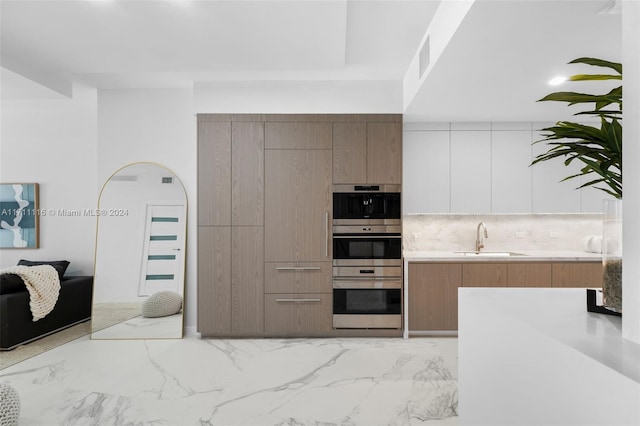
<point>367,256</point>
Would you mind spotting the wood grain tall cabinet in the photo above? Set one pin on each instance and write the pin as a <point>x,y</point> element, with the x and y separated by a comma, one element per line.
<point>265,209</point>
<point>230,225</point>
<point>298,210</point>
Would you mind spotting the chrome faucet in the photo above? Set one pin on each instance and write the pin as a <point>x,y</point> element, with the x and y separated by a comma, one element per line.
<point>479,241</point>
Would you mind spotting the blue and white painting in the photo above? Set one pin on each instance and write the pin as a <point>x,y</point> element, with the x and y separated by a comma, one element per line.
<point>18,215</point>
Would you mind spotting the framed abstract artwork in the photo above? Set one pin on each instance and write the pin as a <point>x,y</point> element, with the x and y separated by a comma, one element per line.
<point>19,215</point>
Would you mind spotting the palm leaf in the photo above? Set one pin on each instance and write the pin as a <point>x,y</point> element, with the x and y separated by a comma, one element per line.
<point>599,63</point>
<point>598,149</point>
<point>593,77</point>
<point>577,98</point>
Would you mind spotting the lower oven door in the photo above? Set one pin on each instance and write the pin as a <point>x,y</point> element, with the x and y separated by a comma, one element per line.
<point>367,308</point>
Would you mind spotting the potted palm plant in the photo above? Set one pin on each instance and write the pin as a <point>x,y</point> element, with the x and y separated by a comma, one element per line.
<point>599,149</point>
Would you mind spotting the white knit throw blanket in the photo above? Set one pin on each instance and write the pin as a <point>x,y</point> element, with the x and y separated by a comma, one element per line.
<point>43,285</point>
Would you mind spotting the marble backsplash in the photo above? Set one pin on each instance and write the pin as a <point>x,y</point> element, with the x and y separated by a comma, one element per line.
<point>506,232</point>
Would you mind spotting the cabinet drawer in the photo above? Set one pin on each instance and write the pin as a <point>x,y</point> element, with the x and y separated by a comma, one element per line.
<point>289,314</point>
<point>529,274</point>
<point>484,275</point>
<point>293,277</point>
<point>577,274</point>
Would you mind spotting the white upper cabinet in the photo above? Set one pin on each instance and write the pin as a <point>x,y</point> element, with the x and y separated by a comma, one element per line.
<point>550,194</point>
<point>485,168</point>
<point>427,174</point>
<point>470,171</point>
<point>593,199</point>
<point>511,174</point>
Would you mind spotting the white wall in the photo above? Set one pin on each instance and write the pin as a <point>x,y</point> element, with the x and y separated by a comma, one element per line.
<point>631,159</point>
<point>53,142</point>
<point>154,126</point>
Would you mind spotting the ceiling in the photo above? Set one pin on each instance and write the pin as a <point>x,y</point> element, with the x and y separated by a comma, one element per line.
<point>493,68</point>
<point>501,57</point>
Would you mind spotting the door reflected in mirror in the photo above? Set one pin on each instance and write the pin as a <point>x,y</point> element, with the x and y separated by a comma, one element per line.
<point>140,255</point>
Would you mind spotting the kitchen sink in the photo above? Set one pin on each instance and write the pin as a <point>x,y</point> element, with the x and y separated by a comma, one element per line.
<point>489,253</point>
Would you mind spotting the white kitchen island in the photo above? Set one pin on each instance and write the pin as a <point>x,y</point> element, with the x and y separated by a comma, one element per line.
<point>535,356</point>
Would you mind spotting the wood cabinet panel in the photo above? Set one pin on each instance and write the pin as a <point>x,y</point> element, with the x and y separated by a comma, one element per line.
<point>433,296</point>
<point>247,279</point>
<point>577,274</point>
<point>214,279</point>
<point>298,314</point>
<point>247,174</point>
<point>295,277</point>
<point>214,173</point>
<point>433,286</point>
<point>350,153</point>
<point>529,274</point>
<point>298,205</point>
<point>484,275</point>
<point>384,153</point>
<point>298,135</point>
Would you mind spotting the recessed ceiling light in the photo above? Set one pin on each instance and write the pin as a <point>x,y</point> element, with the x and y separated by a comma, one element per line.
<point>556,81</point>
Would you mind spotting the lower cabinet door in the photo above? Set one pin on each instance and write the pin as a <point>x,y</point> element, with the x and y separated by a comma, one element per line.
<point>433,296</point>
<point>298,314</point>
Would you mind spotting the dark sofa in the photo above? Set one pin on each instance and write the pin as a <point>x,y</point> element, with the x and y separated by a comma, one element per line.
<point>16,322</point>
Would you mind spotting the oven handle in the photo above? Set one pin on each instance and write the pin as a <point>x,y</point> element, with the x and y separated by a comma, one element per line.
<point>367,284</point>
<point>360,278</point>
<point>326,233</point>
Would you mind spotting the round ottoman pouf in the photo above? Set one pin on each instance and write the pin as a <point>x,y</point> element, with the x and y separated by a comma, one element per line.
<point>9,405</point>
<point>162,304</point>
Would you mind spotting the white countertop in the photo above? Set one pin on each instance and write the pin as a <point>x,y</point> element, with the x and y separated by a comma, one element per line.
<point>532,356</point>
<point>527,256</point>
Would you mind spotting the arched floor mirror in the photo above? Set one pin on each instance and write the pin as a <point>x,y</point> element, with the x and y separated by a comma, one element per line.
<point>140,255</point>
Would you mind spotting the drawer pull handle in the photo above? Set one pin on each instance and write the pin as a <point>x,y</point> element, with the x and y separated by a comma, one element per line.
<point>298,268</point>
<point>297,300</point>
<point>367,271</point>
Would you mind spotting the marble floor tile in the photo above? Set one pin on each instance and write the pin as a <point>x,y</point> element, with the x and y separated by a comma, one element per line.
<point>195,381</point>
<point>139,327</point>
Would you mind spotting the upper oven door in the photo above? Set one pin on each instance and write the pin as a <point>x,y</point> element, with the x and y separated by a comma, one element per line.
<point>366,204</point>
